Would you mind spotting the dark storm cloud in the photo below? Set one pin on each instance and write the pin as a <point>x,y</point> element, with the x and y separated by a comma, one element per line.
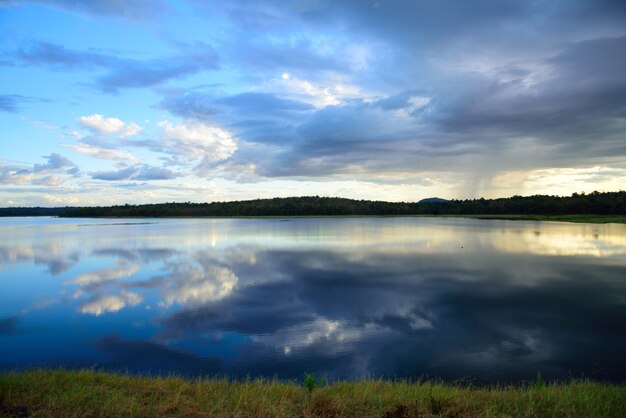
<point>139,172</point>
<point>255,117</point>
<point>338,138</point>
<point>119,73</point>
<point>574,102</point>
<point>431,23</point>
<point>134,9</point>
<point>543,76</point>
<point>585,88</point>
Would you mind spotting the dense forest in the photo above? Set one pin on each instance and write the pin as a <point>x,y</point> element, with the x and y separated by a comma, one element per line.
<point>610,203</point>
<point>34,211</point>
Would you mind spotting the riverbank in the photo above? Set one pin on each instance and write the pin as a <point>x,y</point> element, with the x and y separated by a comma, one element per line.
<point>88,393</point>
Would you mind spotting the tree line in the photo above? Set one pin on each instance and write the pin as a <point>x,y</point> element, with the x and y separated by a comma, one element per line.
<point>596,203</point>
<point>610,203</point>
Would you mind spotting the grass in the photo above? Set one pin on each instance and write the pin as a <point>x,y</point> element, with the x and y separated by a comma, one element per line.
<point>60,393</point>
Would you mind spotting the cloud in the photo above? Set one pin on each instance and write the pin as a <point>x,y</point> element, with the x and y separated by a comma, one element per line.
<point>253,103</point>
<point>190,144</point>
<point>138,74</point>
<point>120,72</point>
<point>103,125</point>
<point>315,53</point>
<point>195,142</point>
<point>12,103</point>
<point>52,173</point>
<point>55,162</point>
<point>453,88</point>
<point>133,9</point>
<point>254,116</point>
<point>421,25</point>
<point>381,93</point>
<point>350,138</point>
<point>123,174</point>
<point>60,58</point>
<point>330,91</point>
<point>102,153</point>
<point>138,172</point>
<point>154,173</point>
<point>564,109</point>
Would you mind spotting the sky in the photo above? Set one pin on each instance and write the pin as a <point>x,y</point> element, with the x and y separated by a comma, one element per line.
<point>143,101</point>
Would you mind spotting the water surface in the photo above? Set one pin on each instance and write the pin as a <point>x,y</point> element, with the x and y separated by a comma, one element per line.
<point>485,300</point>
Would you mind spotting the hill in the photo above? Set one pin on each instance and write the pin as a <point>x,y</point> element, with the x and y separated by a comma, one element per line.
<point>433,200</point>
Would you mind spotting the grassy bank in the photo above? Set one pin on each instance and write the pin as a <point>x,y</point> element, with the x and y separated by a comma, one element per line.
<point>88,393</point>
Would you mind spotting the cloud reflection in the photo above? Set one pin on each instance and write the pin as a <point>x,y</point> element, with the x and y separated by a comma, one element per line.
<point>345,298</point>
<point>110,303</point>
<point>192,286</point>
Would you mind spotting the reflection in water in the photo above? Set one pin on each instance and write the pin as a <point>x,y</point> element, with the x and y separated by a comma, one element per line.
<point>399,297</point>
<point>109,303</point>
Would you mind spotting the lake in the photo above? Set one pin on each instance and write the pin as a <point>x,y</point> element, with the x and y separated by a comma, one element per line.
<point>479,300</point>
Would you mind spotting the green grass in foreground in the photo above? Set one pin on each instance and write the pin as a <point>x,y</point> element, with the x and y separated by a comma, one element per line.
<point>88,393</point>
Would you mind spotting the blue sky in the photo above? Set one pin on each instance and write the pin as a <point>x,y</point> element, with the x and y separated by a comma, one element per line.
<point>136,101</point>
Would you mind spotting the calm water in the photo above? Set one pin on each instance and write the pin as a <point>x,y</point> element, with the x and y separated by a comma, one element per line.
<point>396,297</point>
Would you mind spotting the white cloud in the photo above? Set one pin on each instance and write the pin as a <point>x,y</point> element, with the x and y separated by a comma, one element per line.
<point>102,153</point>
<point>103,125</point>
<point>332,92</point>
<point>59,199</point>
<point>39,174</point>
<point>13,175</point>
<point>197,141</point>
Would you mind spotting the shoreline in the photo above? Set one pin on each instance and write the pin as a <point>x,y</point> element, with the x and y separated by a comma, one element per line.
<point>592,219</point>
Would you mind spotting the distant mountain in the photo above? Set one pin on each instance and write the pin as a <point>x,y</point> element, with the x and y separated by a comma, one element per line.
<point>433,200</point>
